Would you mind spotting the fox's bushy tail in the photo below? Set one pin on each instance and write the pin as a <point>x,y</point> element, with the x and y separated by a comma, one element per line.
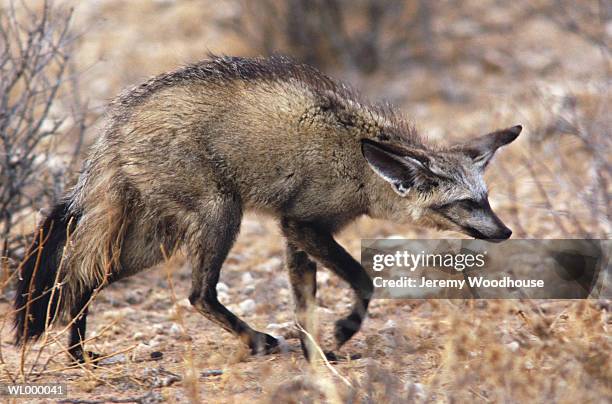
<point>38,301</point>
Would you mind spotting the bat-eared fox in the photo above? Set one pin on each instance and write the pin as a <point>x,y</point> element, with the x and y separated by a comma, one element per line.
<point>185,154</point>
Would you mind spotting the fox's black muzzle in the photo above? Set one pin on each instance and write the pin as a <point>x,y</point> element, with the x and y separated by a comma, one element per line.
<point>503,234</point>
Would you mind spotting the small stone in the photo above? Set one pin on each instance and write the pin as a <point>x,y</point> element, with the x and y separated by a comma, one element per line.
<point>247,306</point>
<point>140,351</point>
<point>222,288</point>
<point>279,326</point>
<point>223,297</point>
<point>159,328</point>
<point>513,346</point>
<point>156,341</point>
<point>323,277</point>
<point>160,377</point>
<point>280,283</point>
<point>247,278</point>
<point>134,297</point>
<point>19,252</point>
<point>270,265</point>
<point>283,346</point>
<point>212,372</point>
<point>176,330</point>
<point>121,358</point>
<point>389,324</point>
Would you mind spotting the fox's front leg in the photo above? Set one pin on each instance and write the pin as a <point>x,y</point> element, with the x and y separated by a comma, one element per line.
<point>320,245</point>
<point>303,278</point>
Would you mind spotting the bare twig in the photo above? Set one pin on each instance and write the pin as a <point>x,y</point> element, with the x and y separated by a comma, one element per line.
<point>313,343</point>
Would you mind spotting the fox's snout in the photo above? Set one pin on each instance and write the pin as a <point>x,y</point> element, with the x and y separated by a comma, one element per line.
<point>487,227</point>
<point>475,219</point>
<point>502,234</point>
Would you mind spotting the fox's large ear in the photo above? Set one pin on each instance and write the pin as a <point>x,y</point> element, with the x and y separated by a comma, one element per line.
<point>482,149</point>
<point>400,166</point>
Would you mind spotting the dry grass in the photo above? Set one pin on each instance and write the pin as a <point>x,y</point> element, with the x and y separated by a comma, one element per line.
<point>553,183</point>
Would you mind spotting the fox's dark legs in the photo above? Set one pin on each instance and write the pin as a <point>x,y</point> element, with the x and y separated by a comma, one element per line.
<point>303,278</point>
<point>320,244</point>
<point>209,251</point>
<point>78,328</point>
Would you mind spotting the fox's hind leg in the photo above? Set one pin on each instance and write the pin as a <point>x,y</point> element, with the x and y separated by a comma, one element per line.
<point>139,251</point>
<point>77,331</point>
<point>209,248</point>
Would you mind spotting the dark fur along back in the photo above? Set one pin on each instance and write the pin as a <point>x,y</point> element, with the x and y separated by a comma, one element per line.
<point>226,69</point>
<point>37,276</point>
<point>222,70</point>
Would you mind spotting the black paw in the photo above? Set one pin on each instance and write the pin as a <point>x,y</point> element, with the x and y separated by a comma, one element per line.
<point>79,356</point>
<point>331,357</point>
<point>334,358</point>
<point>345,328</point>
<point>264,344</point>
